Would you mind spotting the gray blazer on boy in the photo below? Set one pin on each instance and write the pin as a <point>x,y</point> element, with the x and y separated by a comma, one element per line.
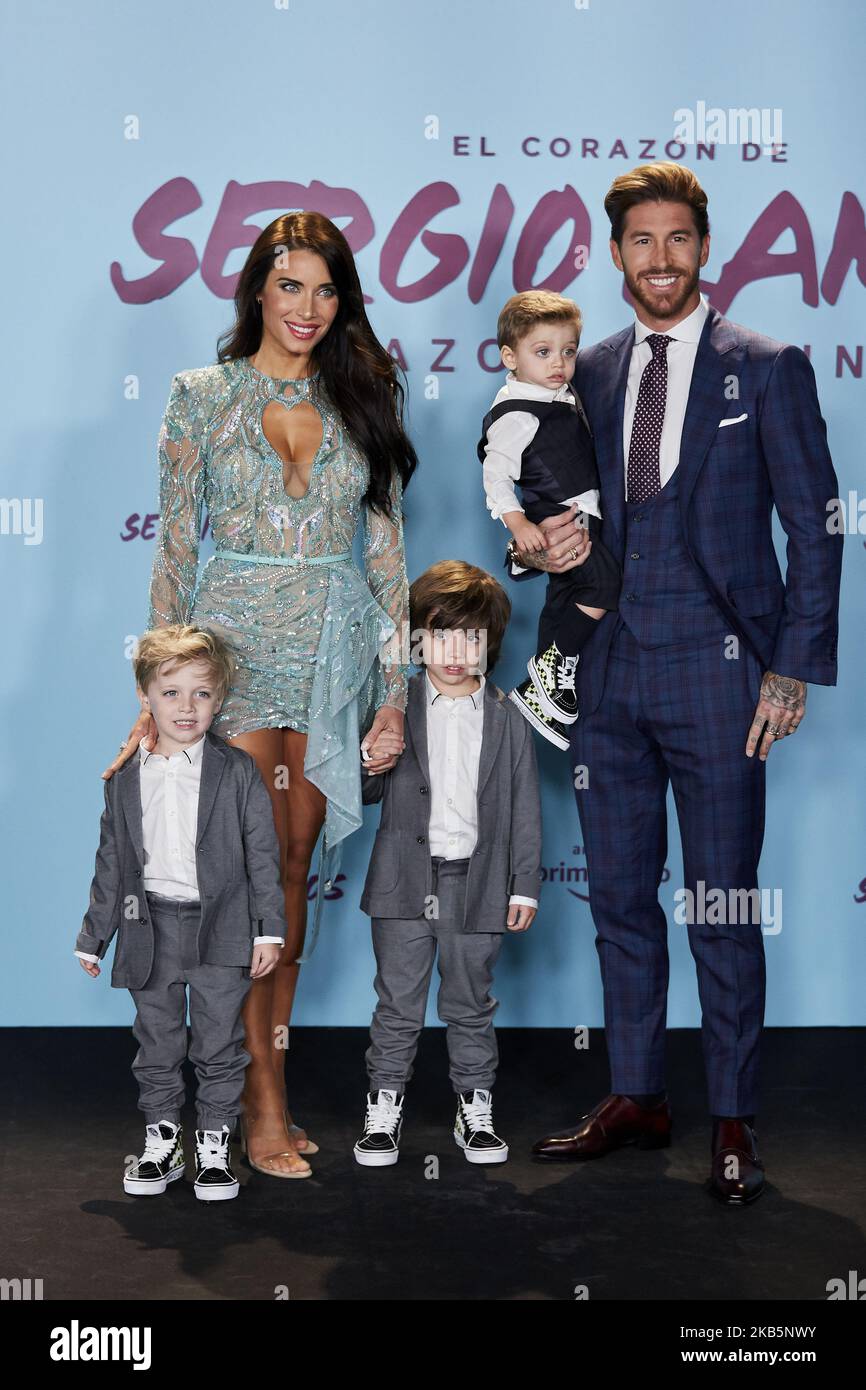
<point>237,861</point>
<point>507,856</point>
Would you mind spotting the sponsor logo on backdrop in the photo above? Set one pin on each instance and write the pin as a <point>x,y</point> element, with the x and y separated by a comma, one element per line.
<point>575,877</point>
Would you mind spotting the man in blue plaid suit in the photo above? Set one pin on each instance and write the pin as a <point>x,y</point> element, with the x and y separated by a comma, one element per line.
<point>701,427</point>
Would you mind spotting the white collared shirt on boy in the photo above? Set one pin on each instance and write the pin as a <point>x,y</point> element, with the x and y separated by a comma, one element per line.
<point>454,729</point>
<point>169,820</point>
<point>510,435</point>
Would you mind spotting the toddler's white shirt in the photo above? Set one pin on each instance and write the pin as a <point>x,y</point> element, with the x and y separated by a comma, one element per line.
<point>510,435</point>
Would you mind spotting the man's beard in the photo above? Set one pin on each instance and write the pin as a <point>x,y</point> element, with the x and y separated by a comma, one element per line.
<point>658,307</point>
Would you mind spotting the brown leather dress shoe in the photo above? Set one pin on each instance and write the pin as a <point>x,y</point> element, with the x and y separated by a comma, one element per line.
<point>613,1123</point>
<point>737,1174</point>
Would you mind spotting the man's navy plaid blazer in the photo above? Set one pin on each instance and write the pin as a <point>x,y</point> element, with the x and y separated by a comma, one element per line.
<point>773,453</point>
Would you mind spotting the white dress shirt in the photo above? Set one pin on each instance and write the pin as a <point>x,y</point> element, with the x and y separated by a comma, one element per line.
<point>454,729</point>
<point>681,352</point>
<point>169,819</point>
<point>510,435</point>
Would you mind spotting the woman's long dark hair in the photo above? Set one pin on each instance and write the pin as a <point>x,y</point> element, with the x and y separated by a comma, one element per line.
<point>358,375</point>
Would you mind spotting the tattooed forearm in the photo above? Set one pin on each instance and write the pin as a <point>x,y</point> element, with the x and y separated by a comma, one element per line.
<point>783,690</point>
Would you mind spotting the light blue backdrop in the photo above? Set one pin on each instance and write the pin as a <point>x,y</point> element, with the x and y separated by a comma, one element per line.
<point>104,105</point>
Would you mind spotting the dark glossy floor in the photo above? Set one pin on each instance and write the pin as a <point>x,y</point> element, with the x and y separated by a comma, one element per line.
<point>631,1226</point>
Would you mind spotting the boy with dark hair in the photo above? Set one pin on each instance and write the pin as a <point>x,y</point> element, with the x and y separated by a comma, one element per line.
<point>456,860</point>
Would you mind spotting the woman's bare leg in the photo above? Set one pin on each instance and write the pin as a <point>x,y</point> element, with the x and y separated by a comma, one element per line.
<point>305,808</point>
<point>263,1100</point>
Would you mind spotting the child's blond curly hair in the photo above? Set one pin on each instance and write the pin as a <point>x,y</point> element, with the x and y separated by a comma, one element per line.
<point>180,643</point>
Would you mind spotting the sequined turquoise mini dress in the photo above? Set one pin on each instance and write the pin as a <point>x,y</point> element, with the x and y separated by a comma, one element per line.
<point>316,641</point>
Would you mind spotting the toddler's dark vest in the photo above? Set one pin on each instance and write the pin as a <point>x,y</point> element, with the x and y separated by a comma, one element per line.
<point>664,598</point>
<point>559,460</point>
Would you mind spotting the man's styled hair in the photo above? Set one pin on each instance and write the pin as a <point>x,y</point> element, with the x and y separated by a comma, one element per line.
<point>453,594</point>
<point>664,182</point>
<point>525,311</point>
<point>180,643</point>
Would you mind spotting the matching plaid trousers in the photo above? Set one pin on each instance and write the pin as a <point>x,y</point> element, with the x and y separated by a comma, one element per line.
<point>677,714</point>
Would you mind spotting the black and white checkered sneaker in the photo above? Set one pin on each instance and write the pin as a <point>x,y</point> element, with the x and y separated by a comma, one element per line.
<point>380,1145</point>
<point>553,676</point>
<point>473,1129</point>
<point>161,1163</point>
<point>214,1179</point>
<point>528,701</point>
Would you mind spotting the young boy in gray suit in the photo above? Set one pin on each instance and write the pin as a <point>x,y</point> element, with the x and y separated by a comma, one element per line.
<point>456,860</point>
<point>188,877</point>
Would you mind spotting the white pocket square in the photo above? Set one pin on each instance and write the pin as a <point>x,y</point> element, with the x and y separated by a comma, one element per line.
<point>734,420</point>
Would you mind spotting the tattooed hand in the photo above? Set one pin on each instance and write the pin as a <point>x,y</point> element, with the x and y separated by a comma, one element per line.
<point>568,544</point>
<point>781,707</point>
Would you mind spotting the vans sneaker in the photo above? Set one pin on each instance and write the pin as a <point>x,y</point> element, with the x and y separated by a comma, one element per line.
<point>214,1179</point>
<point>380,1145</point>
<point>161,1163</point>
<point>473,1129</point>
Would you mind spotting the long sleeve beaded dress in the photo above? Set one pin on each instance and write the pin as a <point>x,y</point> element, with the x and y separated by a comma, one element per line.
<point>316,642</point>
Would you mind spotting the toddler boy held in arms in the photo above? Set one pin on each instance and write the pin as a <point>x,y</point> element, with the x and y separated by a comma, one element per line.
<point>535,437</point>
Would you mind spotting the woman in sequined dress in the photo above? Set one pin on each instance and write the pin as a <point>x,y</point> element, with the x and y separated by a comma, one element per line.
<point>293,441</point>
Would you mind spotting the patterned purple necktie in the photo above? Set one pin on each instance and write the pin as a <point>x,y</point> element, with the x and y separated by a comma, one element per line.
<point>643,479</point>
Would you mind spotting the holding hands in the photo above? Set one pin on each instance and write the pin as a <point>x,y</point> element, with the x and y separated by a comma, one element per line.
<point>383,743</point>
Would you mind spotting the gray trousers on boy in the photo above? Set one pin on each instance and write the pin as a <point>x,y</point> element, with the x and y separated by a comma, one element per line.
<point>216,995</point>
<point>405,949</point>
